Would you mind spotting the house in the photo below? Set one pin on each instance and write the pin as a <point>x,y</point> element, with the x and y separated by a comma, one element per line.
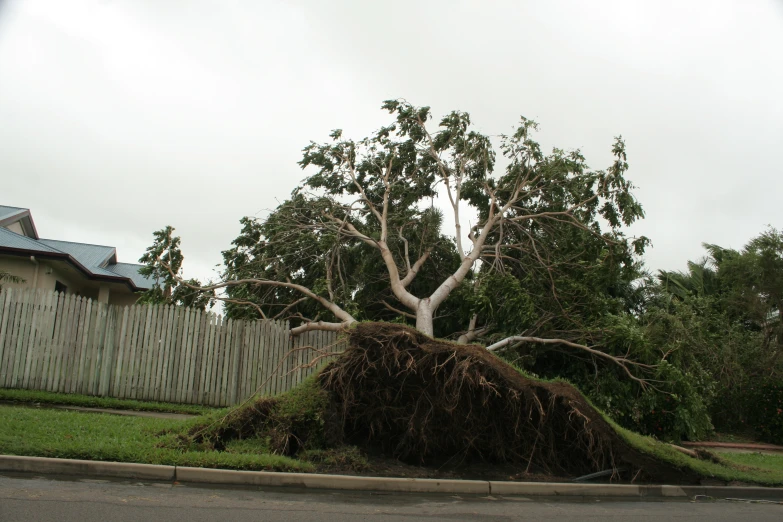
<point>88,270</point>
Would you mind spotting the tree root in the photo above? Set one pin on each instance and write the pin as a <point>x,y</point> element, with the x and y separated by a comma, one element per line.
<point>428,401</point>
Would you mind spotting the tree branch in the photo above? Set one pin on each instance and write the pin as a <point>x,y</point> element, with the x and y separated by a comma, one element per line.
<point>398,311</point>
<point>240,302</point>
<point>620,361</point>
<point>318,325</point>
<point>473,333</point>
<point>338,312</point>
<point>289,306</point>
<point>414,270</point>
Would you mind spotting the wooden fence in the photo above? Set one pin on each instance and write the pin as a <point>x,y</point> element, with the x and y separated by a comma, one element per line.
<point>70,344</point>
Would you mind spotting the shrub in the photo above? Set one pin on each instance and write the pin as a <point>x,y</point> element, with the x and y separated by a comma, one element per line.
<point>764,409</point>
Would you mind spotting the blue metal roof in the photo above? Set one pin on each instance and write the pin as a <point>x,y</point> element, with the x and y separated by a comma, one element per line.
<point>88,255</point>
<point>98,260</point>
<point>11,239</point>
<point>6,212</point>
<point>131,271</point>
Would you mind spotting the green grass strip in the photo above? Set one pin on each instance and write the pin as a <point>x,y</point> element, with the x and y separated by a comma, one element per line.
<point>732,470</point>
<point>95,436</point>
<point>757,460</point>
<point>44,397</point>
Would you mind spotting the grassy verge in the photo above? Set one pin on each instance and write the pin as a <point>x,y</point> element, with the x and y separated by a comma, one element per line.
<point>730,469</point>
<point>32,397</point>
<point>92,436</point>
<point>773,463</point>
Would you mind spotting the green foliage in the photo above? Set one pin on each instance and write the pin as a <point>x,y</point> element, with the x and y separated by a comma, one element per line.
<point>676,404</point>
<point>163,262</point>
<point>350,274</point>
<point>721,320</point>
<point>764,409</point>
<point>677,409</point>
<point>504,298</point>
<point>558,265</point>
<point>560,219</point>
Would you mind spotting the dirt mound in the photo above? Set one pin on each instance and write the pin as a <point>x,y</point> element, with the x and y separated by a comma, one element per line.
<point>430,401</point>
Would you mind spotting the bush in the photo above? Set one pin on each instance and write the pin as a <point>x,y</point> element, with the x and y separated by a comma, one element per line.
<point>764,409</point>
<point>677,410</point>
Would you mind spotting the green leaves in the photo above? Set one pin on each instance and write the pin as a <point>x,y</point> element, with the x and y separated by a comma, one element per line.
<point>163,262</point>
<point>557,248</point>
<point>6,277</point>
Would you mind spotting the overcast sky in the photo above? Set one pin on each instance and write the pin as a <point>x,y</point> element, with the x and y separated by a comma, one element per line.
<point>118,117</point>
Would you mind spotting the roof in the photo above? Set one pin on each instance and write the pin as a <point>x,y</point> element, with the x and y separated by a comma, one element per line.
<point>91,256</point>
<point>95,261</point>
<point>131,271</point>
<point>10,215</point>
<point>11,239</point>
<point>7,212</point>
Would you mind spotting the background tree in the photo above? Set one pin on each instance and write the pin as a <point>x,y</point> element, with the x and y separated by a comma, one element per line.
<point>163,264</point>
<point>719,324</point>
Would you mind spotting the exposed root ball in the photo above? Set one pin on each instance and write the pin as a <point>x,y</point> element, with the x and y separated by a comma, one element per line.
<point>429,401</point>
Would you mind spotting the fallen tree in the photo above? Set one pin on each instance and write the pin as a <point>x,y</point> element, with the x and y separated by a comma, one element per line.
<point>360,240</point>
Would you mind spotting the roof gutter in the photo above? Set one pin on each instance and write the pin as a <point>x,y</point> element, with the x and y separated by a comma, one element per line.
<point>68,258</point>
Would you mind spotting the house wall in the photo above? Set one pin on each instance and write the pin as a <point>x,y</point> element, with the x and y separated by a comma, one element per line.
<point>19,267</point>
<point>123,299</point>
<point>16,227</point>
<point>49,272</point>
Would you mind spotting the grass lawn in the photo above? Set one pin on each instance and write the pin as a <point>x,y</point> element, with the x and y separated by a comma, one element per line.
<point>732,468</point>
<point>756,460</point>
<point>31,397</point>
<point>94,436</point>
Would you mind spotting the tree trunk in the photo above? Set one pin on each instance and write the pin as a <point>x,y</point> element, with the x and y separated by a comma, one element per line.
<point>424,317</point>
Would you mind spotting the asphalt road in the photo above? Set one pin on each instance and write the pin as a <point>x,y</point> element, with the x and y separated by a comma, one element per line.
<point>38,499</point>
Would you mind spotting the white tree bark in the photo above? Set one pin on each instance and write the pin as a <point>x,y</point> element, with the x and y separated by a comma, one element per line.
<point>424,315</point>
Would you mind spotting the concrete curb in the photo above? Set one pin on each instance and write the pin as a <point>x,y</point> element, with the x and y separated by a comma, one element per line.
<point>86,467</point>
<point>317,481</point>
<point>93,468</point>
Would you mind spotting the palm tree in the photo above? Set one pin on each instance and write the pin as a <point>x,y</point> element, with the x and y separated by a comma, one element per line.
<point>701,279</point>
<point>5,277</point>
